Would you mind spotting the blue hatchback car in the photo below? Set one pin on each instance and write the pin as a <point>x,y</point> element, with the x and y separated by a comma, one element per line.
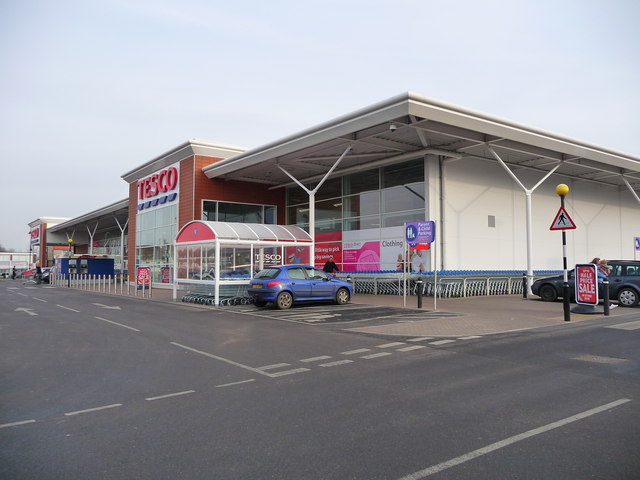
<point>285,285</point>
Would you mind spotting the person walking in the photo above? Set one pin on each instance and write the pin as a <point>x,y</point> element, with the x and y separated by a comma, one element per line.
<point>13,273</point>
<point>331,267</point>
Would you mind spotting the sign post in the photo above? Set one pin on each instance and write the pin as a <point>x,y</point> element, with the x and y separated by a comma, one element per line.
<point>563,222</point>
<point>420,236</point>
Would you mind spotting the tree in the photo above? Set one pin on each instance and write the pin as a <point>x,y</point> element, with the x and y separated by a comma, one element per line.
<point>2,249</point>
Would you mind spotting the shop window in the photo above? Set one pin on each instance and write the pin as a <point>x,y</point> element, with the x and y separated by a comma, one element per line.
<point>367,203</point>
<point>403,173</point>
<point>397,219</point>
<point>362,182</point>
<point>406,197</point>
<point>362,223</point>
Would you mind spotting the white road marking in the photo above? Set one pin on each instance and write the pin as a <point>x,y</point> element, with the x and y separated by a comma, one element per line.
<point>315,359</point>
<point>288,372</point>
<point>511,440</point>
<point>275,365</point>
<point>336,363</point>
<point>24,422</point>
<point>471,337</point>
<point>354,352</point>
<point>389,345</point>
<point>40,299</point>
<point>115,307</point>
<point>89,410</point>
<point>160,397</point>
<point>626,326</point>
<point>23,294</point>
<point>441,342</point>
<point>411,347</point>
<point>376,355</point>
<point>419,339</point>
<point>236,383</point>
<point>231,362</point>
<point>67,308</point>
<point>27,311</point>
<point>119,324</point>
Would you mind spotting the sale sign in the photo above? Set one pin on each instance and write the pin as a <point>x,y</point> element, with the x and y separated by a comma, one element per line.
<point>143,275</point>
<point>586,284</point>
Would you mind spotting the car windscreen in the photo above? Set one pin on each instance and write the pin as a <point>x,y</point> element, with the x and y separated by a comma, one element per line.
<point>267,273</point>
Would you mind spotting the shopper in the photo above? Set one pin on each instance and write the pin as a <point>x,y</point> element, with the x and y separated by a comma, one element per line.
<point>331,267</point>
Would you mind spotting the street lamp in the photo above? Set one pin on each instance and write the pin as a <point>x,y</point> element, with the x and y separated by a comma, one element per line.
<point>70,241</point>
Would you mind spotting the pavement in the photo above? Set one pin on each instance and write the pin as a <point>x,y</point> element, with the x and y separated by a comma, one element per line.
<point>465,316</point>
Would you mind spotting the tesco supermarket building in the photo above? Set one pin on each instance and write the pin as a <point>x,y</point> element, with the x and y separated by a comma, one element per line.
<point>353,182</point>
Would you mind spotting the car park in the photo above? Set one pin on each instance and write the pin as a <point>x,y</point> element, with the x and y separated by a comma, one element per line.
<point>285,285</point>
<point>624,284</point>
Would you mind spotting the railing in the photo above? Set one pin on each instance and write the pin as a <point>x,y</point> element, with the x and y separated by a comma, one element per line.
<point>117,284</point>
<point>444,284</point>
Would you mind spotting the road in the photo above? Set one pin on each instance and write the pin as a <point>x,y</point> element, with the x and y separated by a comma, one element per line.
<point>107,387</point>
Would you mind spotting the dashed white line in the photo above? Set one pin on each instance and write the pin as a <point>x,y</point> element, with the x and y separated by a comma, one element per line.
<point>376,355</point>
<point>40,299</point>
<point>169,395</point>
<point>14,424</point>
<point>511,440</point>
<point>392,344</point>
<point>315,359</point>
<point>441,342</point>
<point>288,372</point>
<point>354,352</point>
<point>235,383</point>
<point>419,339</point>
<point>116,323</point>
<point>626,326</point>
<point>471,337</point>
<point>222,359</point>
<point>96,409</point>
<point>336,363</point>
<point>411,347</point>
<point>275,365</point>
<point>67,308</point>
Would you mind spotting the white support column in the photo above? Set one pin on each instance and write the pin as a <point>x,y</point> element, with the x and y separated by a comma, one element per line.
<point>529,222</point>
<point>91,234</point>
<point>122,228</point>
<point>175,272</point>
<point>216,286</point>
<point>312,205</point>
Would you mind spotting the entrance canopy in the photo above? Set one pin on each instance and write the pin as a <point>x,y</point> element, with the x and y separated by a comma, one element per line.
<point>219,258</point>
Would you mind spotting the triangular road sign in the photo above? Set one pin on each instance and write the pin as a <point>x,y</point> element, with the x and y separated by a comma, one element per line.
<point>562,221</point>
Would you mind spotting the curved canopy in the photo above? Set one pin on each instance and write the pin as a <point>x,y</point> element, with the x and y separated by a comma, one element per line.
<point>224,232</point>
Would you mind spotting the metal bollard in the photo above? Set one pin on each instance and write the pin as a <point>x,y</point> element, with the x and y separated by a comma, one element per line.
<point>605,284</point>
<point>419,287</point>
<point>524,285</point>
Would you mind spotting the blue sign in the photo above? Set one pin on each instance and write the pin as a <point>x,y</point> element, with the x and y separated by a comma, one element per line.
<point>637,239</point>
<point>421,232</point>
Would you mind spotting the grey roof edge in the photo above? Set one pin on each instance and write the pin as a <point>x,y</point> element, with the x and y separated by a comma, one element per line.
<point>47,220</point>
<point>194,146</point>
<point>87,217</point>
<point>413,103</point>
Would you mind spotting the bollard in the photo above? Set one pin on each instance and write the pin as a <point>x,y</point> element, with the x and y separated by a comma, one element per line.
<point>419,287</point>
<point>605,284</point>
<point>524,285</point>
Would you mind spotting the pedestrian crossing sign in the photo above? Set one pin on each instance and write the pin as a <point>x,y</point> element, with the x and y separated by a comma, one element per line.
<point>562,221</point>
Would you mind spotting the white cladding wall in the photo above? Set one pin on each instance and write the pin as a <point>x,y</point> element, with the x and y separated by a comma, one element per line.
<point>607,219</point>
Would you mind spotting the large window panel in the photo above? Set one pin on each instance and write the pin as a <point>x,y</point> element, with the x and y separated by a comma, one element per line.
<point>331,188</point>
<point>362,223</point>
<point>403,173</point>
<point>362,182</point>
<point>397,219</point>
<point>367,203</point>
<point>329,209</point>
<point>398,199</point>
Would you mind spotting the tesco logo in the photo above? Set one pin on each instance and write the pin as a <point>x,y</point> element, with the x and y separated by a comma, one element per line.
<point>161,182</point>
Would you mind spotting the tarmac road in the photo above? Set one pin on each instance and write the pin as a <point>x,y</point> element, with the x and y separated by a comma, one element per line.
<point>98,386</point>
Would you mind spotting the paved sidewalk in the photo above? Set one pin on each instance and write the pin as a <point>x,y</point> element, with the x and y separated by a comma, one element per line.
<point>478,315</point>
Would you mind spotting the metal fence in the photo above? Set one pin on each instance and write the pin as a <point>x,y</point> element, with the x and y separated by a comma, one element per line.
<point>117,284</point>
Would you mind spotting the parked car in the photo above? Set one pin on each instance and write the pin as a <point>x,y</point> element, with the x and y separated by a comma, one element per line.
<point>285,285</point>
<point>624,284</point>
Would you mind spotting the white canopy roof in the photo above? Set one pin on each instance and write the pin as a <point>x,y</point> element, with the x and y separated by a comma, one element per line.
<point>199,231</point>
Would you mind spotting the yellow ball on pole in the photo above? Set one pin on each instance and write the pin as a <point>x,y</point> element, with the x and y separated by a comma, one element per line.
<point>562,189</point>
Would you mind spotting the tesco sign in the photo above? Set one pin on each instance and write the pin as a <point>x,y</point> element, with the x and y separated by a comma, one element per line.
<point>161,182</point>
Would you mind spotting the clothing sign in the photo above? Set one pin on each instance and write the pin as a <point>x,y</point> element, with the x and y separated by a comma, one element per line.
<point>587,284</point>
<point>562,221</point>
<point>421,232</point>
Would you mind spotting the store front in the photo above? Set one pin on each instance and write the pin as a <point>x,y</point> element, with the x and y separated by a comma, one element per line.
<point>219,256</point>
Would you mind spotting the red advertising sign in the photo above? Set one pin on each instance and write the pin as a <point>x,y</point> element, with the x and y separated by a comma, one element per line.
<point>586,284</point>
<point>166,274</point>
<point>143,275</point>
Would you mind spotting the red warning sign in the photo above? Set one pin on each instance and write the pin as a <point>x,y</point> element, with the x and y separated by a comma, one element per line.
<point>562,221</point>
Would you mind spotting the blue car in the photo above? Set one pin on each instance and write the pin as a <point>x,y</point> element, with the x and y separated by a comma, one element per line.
<point>285,285</point>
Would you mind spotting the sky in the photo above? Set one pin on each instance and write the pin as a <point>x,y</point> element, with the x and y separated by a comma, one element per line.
<point>90,90</point>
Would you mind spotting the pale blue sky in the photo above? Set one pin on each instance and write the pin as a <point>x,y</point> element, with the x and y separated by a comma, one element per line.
<point>91,89</point>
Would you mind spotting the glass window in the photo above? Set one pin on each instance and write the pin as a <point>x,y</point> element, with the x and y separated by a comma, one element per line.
<point>296,196</point>
<point>298,215</point>
<point>314,274</point>
<point>195,263</point>
<point>367,203</point>
<point>164,235</point>
<point>296,274</point>
<point>165,216</point>
<point>328,209</point>
<point>270,215</point>
<point>268,273</point>
<point>398,199</point>
<point>362,223</point>
<point>145,238</point>
<point>331,188</point>
<point>403,173</point>
<point>397,219</point>
<point>326,227</point>
<point>362,182</point>
<point>145,221</point>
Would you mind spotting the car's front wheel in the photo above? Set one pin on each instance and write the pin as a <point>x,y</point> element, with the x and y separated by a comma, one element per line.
<point>628,297</point>
<point>548,293</point>
<point>342,296</point>
<point>284,300</point>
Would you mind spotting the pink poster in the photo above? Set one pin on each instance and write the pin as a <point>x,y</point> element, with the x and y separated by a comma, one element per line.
<point>361,256</point>
<point>328,245</point>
